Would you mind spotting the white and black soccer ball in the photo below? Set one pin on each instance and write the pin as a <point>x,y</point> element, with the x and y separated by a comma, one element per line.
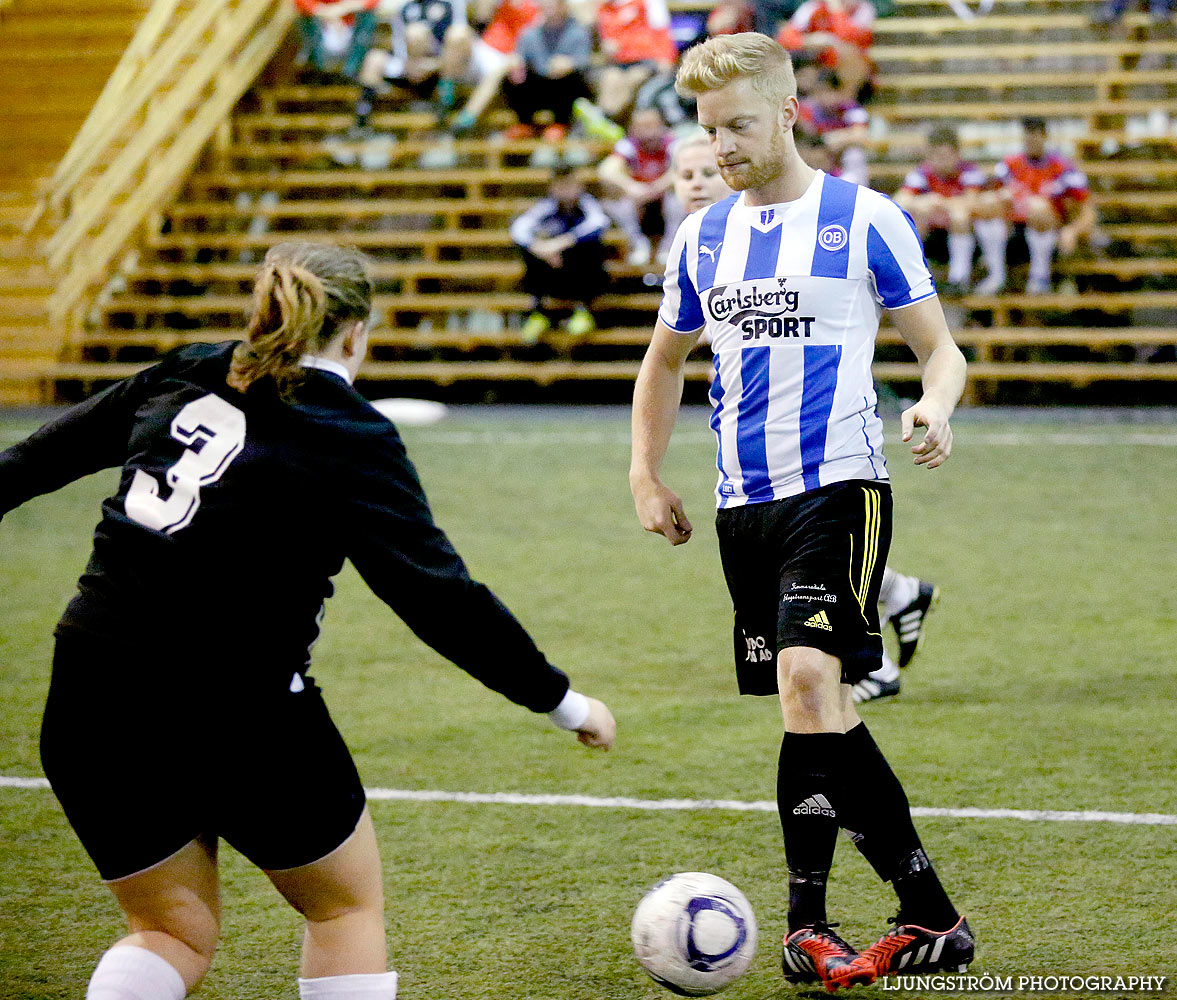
<point>694,933</point>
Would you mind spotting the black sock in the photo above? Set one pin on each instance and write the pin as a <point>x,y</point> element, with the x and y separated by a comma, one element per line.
<point>364,106</point>
<point>809,779</point>
<point>879,817</point>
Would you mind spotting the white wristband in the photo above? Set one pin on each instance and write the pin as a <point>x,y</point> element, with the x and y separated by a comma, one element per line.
<point>572,711</point>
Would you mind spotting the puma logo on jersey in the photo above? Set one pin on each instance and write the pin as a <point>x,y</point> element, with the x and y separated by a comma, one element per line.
<point>704,249</point>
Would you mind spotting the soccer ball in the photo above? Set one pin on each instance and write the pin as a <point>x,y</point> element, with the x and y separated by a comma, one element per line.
<point>694,933</point>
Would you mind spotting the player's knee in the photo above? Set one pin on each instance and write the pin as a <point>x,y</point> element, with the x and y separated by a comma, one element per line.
<point>190,922</point>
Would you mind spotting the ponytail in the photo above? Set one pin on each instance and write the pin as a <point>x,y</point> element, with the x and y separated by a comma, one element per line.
<point>303,295</point>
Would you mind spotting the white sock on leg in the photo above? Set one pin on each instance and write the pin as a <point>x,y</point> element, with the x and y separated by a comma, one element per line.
<point>960,257</point>
<point>128,972</point>
<point>992,235</point>
<point>1041,246</point>
<point>897,591</point>
<point>373,986</point>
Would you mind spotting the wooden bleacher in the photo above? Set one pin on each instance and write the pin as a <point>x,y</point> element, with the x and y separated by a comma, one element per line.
<point>447,277</point>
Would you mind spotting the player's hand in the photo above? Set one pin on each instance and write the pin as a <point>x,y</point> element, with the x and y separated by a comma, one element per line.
<point>936,445</point>
<point>661,512</point>
<point>599,729</point>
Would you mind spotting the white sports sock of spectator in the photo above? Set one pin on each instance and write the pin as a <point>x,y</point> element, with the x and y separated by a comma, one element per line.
<point>377,986</point>
<point>128,972</point>
<point>897,591</point>
<point>960,257</point>
<point>992,235</point>
<point>1041,246</point>
<point>854,167</point>
<point>625,213</point>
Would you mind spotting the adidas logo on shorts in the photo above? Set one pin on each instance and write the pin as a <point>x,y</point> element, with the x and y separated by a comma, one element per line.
<point>815,805</point>
<point>819,621</point>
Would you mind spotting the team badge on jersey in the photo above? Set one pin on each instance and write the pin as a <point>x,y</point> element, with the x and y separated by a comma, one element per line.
<point>832,238</point>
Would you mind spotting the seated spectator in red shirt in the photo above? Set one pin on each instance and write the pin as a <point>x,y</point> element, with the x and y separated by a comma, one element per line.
<point>336,34</point>
<point>563,256</point>
<point>636,177</point>
<point>1048,195</point>
<point>493,55</point>
<point>836,34</point>
<point>635,40</point>
<point>841,124</point>
<point>945,197</point>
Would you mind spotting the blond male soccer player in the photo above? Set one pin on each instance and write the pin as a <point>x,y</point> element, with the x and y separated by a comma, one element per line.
<point>906,601</point>
<point>789,277</point>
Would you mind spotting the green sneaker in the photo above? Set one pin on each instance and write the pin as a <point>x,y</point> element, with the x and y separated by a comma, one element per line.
<point>594,122</point>
<point>536,326</point>
<point>581,322</point>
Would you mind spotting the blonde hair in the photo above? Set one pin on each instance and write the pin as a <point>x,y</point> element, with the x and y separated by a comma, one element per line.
<point>303,295</point>
<point>718,61</point>
<point>696,137</point>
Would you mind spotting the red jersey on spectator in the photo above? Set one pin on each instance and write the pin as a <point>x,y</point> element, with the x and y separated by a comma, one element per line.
<point>854,23</point>
<point>638,29</point>
<point>1053,177</point>
<point>820,120</point>
<point>645,161</point>
<point>312,7</point>
<point>925,180</point>
<point>511,19</point>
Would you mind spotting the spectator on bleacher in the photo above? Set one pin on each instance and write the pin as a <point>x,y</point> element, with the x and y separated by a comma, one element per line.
<point>563,255</point>
<point>1047,196</point>
<point>1112,12</point>
<point>636,42</point>
<point>550,74</point>
<point>813,150</point>
<point>336,34</point>
<point>695,174</point>
<point>731,17</point>
<point>425,58</point>
<point>636,178</point>
<point>836,34</point>
<point>771,15</point>
<point>493,54</point>
<point>943,195</point>
<point>840,123</point>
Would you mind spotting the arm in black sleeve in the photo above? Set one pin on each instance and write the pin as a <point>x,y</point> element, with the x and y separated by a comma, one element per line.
<point>410,565</point>
<point>86,438</point>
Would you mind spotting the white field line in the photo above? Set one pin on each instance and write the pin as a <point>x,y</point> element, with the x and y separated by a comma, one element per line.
<point>700,805</point>
<point>620,437</point>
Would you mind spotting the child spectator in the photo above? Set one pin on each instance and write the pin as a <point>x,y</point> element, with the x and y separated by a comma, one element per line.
<point>550,75</point>
<point>943,196</point>
<point>336,34</point>
<point>563,256</point>
<point>635,39</point>
<point>839,122</point>
<point>636,175</point>
<point>837,34</point>
<point>1045,194</point>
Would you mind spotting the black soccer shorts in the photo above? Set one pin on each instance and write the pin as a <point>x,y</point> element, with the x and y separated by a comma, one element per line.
<point>806,571</point>
<point>145,754</point>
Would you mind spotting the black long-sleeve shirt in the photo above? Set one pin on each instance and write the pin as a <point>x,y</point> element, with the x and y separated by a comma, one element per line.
<point>235,510</point>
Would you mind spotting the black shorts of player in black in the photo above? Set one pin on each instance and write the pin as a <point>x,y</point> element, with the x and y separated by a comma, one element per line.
<point>806,571</point>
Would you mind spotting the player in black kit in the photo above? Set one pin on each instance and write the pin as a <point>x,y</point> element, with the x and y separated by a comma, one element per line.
<point>180,709</point>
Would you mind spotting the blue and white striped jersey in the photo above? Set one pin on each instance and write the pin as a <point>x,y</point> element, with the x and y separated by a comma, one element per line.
<point>790,296</point>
